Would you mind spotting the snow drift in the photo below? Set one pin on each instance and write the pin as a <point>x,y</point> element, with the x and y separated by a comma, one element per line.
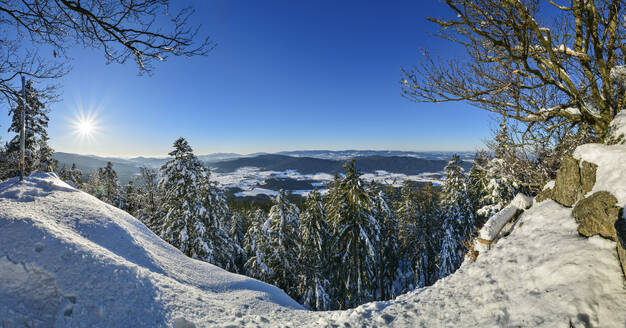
<point>67,259</point>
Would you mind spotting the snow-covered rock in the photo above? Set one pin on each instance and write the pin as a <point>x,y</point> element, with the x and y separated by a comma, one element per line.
<point>67,259</point>
<point>494,225</point>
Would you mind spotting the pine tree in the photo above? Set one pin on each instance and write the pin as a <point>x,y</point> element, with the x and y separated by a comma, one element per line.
<point>387,246</point>
<point>356,232</point>
<point>108,186</point>
<point>256,245</point>
<point>314,287</point>
<point>477,184</point>
<point>459,220</point>
<point>75,176</point>
<point>193,210</point>
<point>283,241</point>
<point>430,226</point>
<point>131,198</point>
<point>38,155</point>
<point>149,200</point>
<point>410,237</point>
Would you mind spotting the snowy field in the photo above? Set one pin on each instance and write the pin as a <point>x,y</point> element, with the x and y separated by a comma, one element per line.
<point>250,180</point>
<point>69,260</point>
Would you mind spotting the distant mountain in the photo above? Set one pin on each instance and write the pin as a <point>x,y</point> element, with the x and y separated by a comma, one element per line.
<point>88,163</point>
<point>216,157</point>
<point>366,160</point>
<point>309,165</point>
<point>347,154</point>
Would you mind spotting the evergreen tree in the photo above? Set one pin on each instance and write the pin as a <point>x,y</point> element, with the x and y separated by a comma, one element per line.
<point>193,210</point>
<point>149,200</point>
<point>356,232</point>
<point>131,198</point>
<point>410,237</point>
<point>38,155</point>
<point>256,246</point>
<point>108,186</point>
<point>478,184</point>
<point>459,220</point>
<point>64,174</point>
<point>314,287</point>
<point>430,226</point>
<point>75,176</point>
<point>387,246</point>
<point>283,241</point>
<point>501,173</point>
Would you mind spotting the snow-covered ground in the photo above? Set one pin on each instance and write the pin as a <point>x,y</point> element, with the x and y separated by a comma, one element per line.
<point>251,179</point>
<point>67,259</point>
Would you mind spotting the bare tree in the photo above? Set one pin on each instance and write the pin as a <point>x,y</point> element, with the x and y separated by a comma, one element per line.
<point>36,34</point>
<point>547,67</point>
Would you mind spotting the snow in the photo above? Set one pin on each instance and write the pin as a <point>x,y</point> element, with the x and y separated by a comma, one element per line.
<point>67,259</point>
<point>492,227</point>
<point>611,172</point>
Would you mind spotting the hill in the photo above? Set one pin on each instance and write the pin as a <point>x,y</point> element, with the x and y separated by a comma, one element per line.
<point>310,165</point>
<point>67,259</point>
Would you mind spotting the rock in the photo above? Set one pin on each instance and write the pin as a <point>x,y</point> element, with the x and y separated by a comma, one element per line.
<point>597,214</point>
<point>567,188</point>
<point>620,229</point>
<point>587,176</point>
<point>543,195</point>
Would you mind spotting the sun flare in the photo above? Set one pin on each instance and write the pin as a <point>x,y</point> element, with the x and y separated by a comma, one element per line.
<point>85,128</point>
<point>85,125</point>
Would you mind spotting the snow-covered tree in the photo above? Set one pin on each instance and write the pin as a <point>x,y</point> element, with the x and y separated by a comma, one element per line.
<point>459,218</point>
<point>256,246</point>
<point>38,156</point>
<point>193,210</point>
<point>387,248</point>
<point>283,244</point>
<point>75,176</point>
<point>314,287</point>
<point>149,200</point>
<point>108,186</point>
<point>356,232</point>
<point>131,198</point>
<point>477,184</point>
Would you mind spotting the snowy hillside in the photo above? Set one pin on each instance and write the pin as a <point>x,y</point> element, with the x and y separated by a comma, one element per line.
<point>70,260</point>
<point>67,259</point>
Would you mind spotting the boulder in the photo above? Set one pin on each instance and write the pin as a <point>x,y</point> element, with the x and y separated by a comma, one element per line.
<point>567,188</point>
<point>587,176</point>
<point>543,195</point>
<point>620,229</point>
<point>597,214</point>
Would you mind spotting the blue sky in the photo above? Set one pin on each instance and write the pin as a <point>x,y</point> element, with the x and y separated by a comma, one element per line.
<point>285,75</point>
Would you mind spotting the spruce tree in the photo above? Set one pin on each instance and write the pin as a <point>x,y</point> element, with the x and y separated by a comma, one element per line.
<point>478,184</point>
<point>192,209</point>
<point>108,186</point>
<point>256,246</point>
<point>356,232</point>
<point>314,287</point>
<point>387,248</point>
<point>149,200</point>
<point>75,176</point>
<point>430,226</point>
<point>38,154</point>
<point>283,241</point>
<point>131,198</point>
<point>459,220</point>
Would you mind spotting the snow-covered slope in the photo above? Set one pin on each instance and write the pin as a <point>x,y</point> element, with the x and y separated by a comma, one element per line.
<point>66,259</point>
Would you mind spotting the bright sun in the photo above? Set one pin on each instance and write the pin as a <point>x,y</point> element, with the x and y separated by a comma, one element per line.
<point>85,125</point>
